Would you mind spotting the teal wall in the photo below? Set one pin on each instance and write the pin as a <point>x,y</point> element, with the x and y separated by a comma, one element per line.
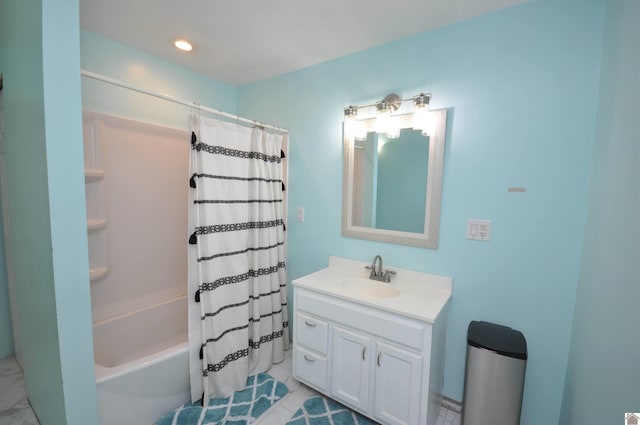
<point>603,373</point>
<point>40,70</point>
<point>520,86</point>
<point>40,60</point>
<point>124,63</point>
<point>6,334</point>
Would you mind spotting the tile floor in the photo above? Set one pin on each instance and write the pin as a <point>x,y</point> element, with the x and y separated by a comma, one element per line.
<point>280,413</point>
<point>15,408</point>
<point>448,417</point>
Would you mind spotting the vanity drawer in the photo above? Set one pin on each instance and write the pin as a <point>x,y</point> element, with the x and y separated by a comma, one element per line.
<point>311,367</point>
<point>395,328</point>
<point>312,332</point>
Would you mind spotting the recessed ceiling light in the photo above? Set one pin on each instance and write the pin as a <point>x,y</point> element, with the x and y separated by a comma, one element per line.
<point>183,45</point>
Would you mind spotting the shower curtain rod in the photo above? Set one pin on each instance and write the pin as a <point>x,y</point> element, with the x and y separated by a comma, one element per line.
<point>170,98</point>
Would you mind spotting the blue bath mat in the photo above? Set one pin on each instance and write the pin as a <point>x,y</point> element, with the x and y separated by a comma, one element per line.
<point>318,410</point>
<point>243,407</point>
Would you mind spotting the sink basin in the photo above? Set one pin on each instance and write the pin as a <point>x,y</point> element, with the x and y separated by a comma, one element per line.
<point>370,287</point>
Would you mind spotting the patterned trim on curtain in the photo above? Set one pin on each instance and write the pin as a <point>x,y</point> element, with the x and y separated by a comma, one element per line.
<point>238,316</point>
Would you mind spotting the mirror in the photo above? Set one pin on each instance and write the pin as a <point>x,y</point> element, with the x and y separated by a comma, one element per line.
<point>392,187</point>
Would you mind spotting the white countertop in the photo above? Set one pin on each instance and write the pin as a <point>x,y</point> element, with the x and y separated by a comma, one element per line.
<point>421,296</point>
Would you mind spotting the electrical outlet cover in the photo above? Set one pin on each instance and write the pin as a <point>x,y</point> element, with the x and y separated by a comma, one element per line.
<point>479,230</point>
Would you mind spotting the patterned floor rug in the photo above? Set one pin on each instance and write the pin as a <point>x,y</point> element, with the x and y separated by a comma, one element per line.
<point>318,410</point>
<point>242,408</point>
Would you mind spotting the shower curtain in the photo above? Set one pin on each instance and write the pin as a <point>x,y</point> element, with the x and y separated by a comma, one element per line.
<point>238,315</point>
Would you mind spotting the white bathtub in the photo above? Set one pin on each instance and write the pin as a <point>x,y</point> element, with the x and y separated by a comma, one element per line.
<point>142,364</point>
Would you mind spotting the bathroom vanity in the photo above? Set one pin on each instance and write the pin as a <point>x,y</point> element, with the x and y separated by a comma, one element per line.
<point>374,346</point>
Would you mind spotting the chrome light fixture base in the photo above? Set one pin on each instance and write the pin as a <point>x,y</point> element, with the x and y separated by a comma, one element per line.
<point>390,103</point>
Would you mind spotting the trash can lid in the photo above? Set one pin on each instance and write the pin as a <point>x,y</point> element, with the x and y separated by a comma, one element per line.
<point>501,339</point>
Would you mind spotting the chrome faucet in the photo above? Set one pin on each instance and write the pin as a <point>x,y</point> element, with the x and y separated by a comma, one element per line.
<point>379,273</point>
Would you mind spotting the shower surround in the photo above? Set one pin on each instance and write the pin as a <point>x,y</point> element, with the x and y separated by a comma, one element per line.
<point>136,177</point>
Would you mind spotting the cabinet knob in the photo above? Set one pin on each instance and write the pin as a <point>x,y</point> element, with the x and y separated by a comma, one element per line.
<point>310,324</point>
<point>309,359</point>
<point>378,361</point>
<point>364,351</point>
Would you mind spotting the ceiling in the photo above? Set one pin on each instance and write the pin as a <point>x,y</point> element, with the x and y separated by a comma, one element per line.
<point>243,41</point>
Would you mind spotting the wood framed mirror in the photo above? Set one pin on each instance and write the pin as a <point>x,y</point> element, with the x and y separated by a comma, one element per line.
<point>392,186</point>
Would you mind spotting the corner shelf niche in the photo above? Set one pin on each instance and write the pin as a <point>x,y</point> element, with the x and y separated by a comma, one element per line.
<point>96,224</point>
<point>94,182</point>
<point>93,175</point>
<point>96,274</point>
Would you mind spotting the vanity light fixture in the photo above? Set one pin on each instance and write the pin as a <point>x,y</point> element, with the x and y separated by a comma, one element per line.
<point>350,112</point>
<point>353,127</point>
<point>422,100</point>
<point>389,104</point>
<point>386,122</point>
<point>421,113</point>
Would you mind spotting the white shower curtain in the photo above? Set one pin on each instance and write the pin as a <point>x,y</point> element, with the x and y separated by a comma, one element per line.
<point>238,315</point>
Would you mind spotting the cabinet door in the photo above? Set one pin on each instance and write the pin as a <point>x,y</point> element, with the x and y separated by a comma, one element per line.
<point>398,375</point>
<point>350,371</point>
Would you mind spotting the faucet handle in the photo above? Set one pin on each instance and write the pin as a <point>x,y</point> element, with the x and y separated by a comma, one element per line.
<point>373,274</point>
<point>388,274</point>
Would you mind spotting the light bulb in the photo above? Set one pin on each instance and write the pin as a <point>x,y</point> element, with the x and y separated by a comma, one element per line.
<point>386,124</point>
<point>421,121</point>
<point>383,122</point>
<point>349,129</point>
<point>183,45</point>
<point>359,133</point>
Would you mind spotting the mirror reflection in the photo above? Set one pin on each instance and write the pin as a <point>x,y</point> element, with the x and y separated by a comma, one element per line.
<point>390,181</point>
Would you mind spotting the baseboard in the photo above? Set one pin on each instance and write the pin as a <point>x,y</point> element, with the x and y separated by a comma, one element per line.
<point>452,404</point>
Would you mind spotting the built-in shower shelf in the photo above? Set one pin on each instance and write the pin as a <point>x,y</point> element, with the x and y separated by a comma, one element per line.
<point>93,225</point>
<point>92,175</point>
<point>95,274</point>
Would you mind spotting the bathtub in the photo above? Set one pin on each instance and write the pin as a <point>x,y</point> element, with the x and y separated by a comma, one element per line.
<point>142,364</point>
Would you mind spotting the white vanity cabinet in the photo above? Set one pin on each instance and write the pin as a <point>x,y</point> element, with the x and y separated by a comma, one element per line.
<point>380,363</point>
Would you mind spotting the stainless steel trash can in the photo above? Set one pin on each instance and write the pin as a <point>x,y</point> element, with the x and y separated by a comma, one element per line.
<point>494,375</point>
